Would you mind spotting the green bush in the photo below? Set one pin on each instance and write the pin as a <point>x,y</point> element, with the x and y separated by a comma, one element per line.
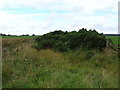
<point>63,41</point>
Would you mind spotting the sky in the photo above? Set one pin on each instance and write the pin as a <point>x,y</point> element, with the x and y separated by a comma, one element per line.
<point>42,16</point>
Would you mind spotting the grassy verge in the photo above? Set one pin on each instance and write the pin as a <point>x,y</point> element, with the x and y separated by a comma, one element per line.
<point>29,68</point>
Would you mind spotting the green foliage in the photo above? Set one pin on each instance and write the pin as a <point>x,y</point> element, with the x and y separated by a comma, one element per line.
<point>64,41</point>
<point>89,55</point>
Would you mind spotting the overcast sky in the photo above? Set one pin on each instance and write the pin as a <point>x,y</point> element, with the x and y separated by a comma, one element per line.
<point>42,16</point>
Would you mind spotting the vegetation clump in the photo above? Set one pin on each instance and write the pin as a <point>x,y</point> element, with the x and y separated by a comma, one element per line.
<point>64,41</point>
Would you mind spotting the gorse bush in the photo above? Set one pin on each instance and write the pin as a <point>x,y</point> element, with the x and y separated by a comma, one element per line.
<point>64,41</point>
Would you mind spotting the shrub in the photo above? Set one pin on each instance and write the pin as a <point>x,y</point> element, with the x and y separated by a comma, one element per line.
<point>63,41</point>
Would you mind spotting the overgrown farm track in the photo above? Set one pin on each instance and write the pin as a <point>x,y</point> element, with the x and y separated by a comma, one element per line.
<point>14,43</point>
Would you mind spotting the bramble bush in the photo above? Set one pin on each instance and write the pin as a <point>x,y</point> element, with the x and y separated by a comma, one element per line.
<point>64,41</point>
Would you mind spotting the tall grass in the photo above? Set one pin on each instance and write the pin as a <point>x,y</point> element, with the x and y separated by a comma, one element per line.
<point>30,68</point>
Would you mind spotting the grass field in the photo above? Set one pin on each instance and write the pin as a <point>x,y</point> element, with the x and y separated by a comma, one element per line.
<point>8,37</point>
<point>27,67</point>
<point>115,39</point>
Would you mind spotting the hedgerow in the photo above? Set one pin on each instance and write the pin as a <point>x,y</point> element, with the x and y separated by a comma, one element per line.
<point>64,41</point>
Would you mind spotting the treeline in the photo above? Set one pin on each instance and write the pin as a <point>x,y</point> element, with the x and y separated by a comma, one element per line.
<point>112,34</point>
<point>63,40</point>
<point>16,35</point>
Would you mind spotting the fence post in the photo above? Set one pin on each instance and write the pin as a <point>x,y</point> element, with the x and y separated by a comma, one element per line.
<point>107,44</point>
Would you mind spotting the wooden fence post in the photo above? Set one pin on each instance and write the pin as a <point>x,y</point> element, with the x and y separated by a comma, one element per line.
<point>107,45</point>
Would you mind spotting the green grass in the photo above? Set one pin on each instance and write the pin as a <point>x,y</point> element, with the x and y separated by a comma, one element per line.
<point>115,39</point>
<point>29,68</point>
<point>18,37</point>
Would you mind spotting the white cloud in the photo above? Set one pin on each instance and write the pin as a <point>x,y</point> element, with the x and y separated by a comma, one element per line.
<point>60,4</point>
<point>95,14</point>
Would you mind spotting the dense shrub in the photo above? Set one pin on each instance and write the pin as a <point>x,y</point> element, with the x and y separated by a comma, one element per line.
<point>63,41</point>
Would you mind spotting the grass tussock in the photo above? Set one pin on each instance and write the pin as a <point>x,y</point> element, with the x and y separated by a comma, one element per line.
<point>30,68</point>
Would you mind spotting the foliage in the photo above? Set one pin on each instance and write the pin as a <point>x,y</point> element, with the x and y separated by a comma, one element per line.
<point>64,41</point>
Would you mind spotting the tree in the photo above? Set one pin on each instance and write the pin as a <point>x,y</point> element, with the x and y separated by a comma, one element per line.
<point>33,34</point>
